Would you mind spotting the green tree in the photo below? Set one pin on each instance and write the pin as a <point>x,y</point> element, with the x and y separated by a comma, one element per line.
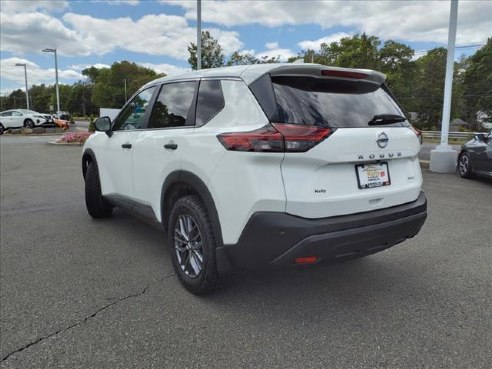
<point>248,58</point>
<point>395,61</point>
<point>428,95</point>
<point>212,55</point>
<point>92,73</point>
<point>359,51</point>
<point>477,84</point>
<point>108,89</point>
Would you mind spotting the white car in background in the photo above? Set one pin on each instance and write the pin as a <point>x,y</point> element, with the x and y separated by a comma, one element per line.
<point>16,118</point>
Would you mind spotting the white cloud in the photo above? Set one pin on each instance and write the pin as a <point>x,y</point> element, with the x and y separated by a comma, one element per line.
<point>81,67</point>
<point>35,74</point>
<point>86,35</point>
<point>284,54</point>
<point>15,6</point>
<point>315,44</point>
<point>271,45</point>
<point>118,2</point>
<point>397,19</point>
<point>168,69</point>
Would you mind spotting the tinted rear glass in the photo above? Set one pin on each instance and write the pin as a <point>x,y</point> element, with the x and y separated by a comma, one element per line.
<point>210,101</point>
<point>331,103</point>
<point>172,106</point>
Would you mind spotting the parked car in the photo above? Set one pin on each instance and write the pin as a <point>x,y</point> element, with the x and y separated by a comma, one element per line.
<point>262,166</point>
<point>20,118</point>
<point>475,157</point>
<point>49,117</point>
<point>64,115</point>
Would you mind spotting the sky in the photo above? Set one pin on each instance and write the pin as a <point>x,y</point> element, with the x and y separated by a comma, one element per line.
<point>156,33</point>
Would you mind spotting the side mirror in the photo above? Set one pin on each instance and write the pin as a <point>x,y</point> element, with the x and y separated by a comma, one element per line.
<point>103,124</point>
<point>480,137</point>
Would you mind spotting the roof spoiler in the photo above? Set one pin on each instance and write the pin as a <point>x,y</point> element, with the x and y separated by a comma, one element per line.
<point>318,70</point>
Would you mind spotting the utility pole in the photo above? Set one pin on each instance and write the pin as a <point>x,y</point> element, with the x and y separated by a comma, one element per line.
<point>56,74</point>
<point>125,90</point>
<point>25,76</point>
<point>199,34</point>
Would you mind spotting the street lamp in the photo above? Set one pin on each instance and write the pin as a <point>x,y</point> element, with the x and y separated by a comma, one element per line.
<point>25,75</point>
<point>56,73</point>
<point>125,89</point>
<point>199,34</point>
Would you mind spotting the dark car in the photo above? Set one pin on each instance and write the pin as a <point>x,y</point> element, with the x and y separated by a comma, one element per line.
<point>476,156</point>
<point>65,115</point>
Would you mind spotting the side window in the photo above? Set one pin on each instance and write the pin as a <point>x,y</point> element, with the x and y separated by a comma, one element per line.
<point>210,101</point>
<point>172,106</point>
<point>16,114</point>
<point>133,114</point>
<point>7,114</point>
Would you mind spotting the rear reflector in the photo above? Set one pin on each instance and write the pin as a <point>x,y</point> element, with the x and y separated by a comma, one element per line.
<point>343,73</point>
<point>306,260</point>
<point>276,137</point>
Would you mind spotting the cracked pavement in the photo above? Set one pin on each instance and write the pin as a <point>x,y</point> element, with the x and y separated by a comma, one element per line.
<point>79,293</point>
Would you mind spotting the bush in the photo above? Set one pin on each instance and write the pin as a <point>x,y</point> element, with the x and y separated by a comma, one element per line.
<point>92,127</point>
<point>75,137</point>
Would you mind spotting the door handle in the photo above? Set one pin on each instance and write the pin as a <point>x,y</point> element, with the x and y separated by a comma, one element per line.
<point>127,146</point>
<point>171,146</point>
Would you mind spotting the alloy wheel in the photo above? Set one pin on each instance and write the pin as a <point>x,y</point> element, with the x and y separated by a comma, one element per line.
<point>188,245</point>
<point>464,165</point>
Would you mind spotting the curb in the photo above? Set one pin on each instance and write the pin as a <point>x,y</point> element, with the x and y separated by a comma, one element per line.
<point>31,134</point>
<point>424,163</point>
<point>56,143</point>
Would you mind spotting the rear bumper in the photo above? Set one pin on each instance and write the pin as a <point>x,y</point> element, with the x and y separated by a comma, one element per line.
<point>277,239</point>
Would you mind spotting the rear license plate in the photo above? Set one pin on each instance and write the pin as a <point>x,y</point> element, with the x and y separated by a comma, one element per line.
<point>372,175</point>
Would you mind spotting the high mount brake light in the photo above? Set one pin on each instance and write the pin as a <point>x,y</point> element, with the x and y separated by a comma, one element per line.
<point>343,73</point>
<point>276,137</point>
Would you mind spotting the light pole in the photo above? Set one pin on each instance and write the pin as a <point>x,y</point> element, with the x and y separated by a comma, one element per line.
<point>443,157</point>
<point>199,35</point>
<point>56,73</point>
<point>125,89</point>
<point>25,75</point>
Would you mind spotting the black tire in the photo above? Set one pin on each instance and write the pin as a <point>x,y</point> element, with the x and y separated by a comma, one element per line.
<point>97,206</point>
<point>207,280</point>
<point>464,166</point>
<point>2,129</point>
<point>28,123</point>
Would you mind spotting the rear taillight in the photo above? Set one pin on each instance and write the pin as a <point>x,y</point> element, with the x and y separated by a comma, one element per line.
<point>275,137</point>
<point>418,132</point>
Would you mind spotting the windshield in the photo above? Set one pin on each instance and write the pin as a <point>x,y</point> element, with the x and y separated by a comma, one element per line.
<point>332,103</point>
<point>25,111</point>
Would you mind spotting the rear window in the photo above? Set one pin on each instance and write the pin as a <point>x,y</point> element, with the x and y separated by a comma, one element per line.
<point>331,103</point>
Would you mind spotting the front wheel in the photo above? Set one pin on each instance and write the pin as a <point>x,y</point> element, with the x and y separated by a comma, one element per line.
<point>464,166</point>
<point>29,123</point>
<point>97,206</point>
<point>193,244</point>
<point>2,129</point>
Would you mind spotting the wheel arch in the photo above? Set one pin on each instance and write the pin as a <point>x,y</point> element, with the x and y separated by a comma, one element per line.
<point>182,183</point>
<point>87,157</point>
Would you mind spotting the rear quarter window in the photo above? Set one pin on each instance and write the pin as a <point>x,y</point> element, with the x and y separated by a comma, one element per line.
<point>210,101</point>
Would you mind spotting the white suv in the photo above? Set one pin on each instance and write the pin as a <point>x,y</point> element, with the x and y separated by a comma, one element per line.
<point>261,166</point>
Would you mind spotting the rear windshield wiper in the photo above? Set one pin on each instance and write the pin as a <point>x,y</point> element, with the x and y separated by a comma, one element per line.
<point>381,119</point>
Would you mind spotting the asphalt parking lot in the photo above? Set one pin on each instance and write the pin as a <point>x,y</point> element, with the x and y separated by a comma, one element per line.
<point>79,293</point>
